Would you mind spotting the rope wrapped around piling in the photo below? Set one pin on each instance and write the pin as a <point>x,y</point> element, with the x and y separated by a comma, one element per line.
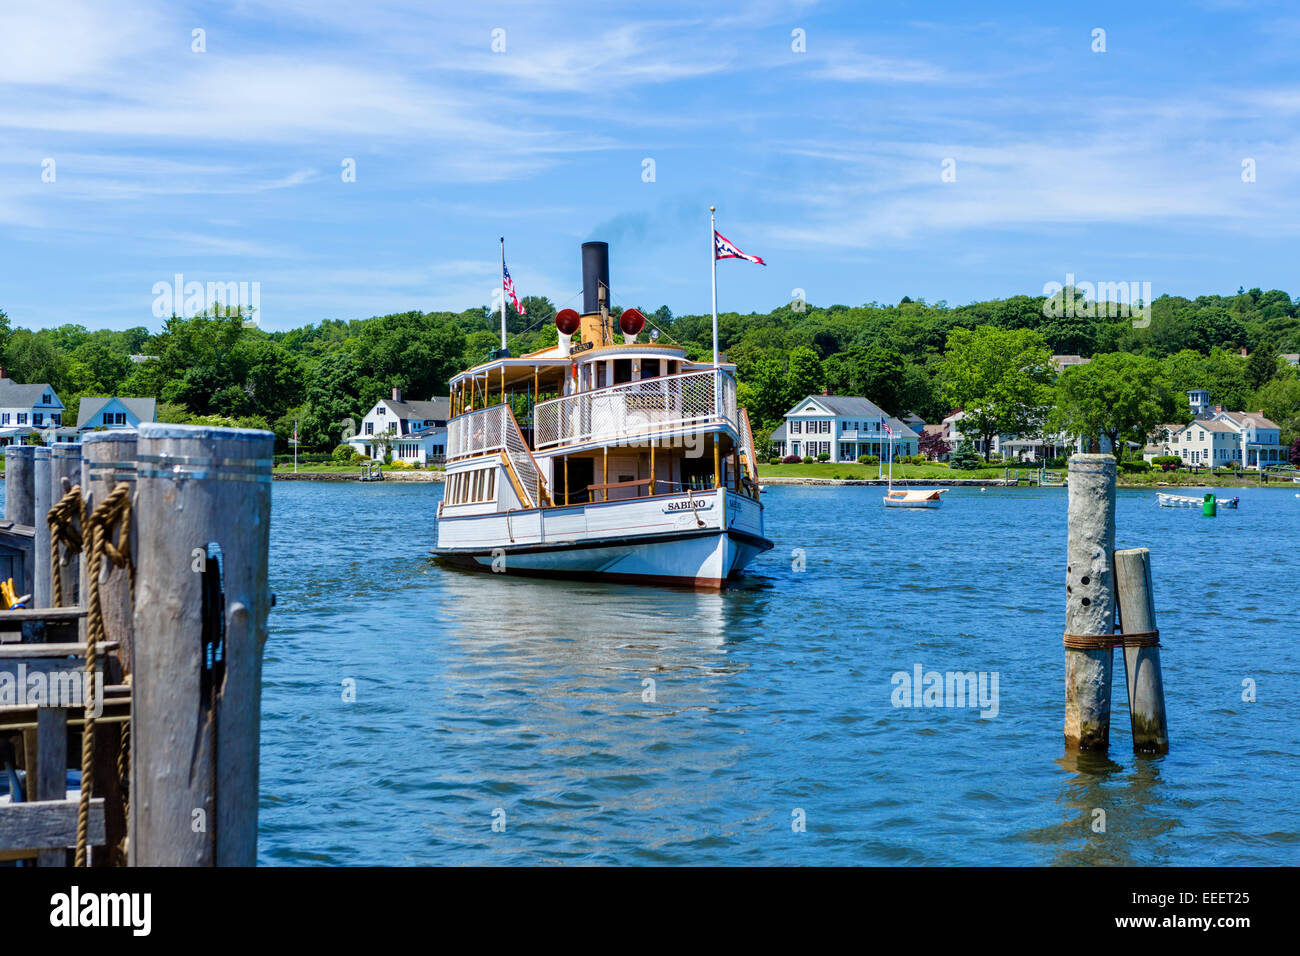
<point>75,530</point>
<point>67,520</point>
<point>1102,642</point>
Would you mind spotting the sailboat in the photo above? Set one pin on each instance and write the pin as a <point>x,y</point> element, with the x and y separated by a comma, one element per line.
<point>911,497</point>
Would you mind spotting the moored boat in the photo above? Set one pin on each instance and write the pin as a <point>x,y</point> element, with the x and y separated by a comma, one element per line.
<point>601,458</point>
<point>915,498</point>
<point>1185,501</point>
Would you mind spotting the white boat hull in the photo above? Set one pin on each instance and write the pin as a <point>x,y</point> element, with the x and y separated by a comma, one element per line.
<point>915,498</point>
<point>1183,501</point>
<point>696,540</point>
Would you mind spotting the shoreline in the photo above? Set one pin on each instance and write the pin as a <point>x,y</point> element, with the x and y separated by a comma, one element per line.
<point>998,483</point>
<point>438,476</point>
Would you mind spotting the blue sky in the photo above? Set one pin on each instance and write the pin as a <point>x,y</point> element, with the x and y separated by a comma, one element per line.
<point>226,165</point>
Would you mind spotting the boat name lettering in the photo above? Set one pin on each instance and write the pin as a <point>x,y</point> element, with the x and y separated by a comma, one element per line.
<point>686,506</point>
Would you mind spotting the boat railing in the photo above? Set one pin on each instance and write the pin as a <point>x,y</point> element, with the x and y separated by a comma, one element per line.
<point>636,410</point>
<point>494,430</point>
<point>747,445</point>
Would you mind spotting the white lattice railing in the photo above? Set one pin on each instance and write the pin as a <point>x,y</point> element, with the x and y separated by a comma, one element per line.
<point>747,445</point>
<point>477,433</point>
<point>521,462</point>
<point>633,409</point>
<point>494,429</point>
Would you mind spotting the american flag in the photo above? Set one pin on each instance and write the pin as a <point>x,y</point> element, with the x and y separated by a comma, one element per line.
<point>509,285</point>
<point>724,248</point>
<point>888,431</point>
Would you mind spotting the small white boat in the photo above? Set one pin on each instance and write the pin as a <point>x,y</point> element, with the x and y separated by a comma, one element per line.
<point>915,498</point>
<point>1184,501</point>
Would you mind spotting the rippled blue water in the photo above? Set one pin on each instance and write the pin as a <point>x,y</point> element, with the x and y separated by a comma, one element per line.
<point>478,692</point>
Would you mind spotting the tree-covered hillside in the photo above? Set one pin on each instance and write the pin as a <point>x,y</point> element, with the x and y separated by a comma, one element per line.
<point>217,367</point>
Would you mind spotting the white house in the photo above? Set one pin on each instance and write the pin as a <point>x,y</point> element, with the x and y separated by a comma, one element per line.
<point>1216,437</point>
<point>98,412</point>
<point>413,432</point>
<point>842,427</point>
<point>28,408</point>
<point>1260,438</point>
<point>1022,447</point>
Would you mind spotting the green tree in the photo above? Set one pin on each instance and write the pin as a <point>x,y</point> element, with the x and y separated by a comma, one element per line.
<point>1000,378</point>
<point>804,375</point>
<point>1120,396</point>
<point>964,457</point>
<point>1279,399</point>
<point>1261,365</point>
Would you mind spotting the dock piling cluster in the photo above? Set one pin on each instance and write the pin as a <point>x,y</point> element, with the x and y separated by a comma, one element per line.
<point>1103,587</point>
<point>174,624</point>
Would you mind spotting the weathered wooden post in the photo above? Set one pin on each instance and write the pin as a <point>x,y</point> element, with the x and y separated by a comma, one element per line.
<point>65,462</point>
<point>20,508</point>
<point>202,513</point>
<point>1089,602</point>
<point>42,505</point>
<point>107,459</point>
<point>1146,688</point>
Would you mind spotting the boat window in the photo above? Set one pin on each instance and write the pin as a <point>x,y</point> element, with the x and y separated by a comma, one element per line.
<point>478,485</point>
<point>649,368</point>
<point>622,371</point>
<point>491,484</point>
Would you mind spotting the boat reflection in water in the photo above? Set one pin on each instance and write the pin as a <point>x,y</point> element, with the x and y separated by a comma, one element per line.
<point>600,706</point>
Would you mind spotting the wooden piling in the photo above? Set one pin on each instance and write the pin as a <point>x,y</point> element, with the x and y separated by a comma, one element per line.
<point>41,497</point>
<point>20,507</point>
<point>1089,602</point>
<point>65,462</point>
<point>107,459</point>
<point>1146,689</point>
<point>202,514</point>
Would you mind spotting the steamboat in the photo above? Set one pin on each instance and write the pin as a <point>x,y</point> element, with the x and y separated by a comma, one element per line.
<point>603,456</point>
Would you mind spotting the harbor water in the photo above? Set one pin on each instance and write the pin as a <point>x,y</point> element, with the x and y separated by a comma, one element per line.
<point>418,715</point>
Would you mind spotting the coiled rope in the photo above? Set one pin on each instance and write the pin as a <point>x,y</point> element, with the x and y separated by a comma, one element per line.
<point>1101,642</point>
<point>94,535</point>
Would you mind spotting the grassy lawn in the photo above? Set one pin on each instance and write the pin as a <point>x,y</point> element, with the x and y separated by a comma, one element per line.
<point>940,472</point>
<point>304,469</point>
<point>934,471</point>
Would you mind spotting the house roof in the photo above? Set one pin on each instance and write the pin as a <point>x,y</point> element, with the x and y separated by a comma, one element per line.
<point>854,407</point>
<point>1255,418</point>
<point>144,409</point>
<point>437,409</point>
<point>778,434</point>
<point>13,395</point>
<point>1211,425</point>
<point>1064,361</point>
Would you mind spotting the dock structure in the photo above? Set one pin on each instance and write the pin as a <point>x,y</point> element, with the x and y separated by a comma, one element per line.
<point>1089,602</point>
<point>164,535</point>
<point>1109,603</point>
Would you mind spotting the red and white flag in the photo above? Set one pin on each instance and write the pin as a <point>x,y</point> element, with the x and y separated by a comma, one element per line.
<point>508,284</point>
<point>724,248</point>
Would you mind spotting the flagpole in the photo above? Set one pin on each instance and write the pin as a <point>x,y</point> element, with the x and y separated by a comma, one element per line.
<point>713,259</point>
<point>503,292</point>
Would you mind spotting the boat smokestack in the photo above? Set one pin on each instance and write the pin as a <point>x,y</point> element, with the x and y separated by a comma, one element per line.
<point>595,276</point>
